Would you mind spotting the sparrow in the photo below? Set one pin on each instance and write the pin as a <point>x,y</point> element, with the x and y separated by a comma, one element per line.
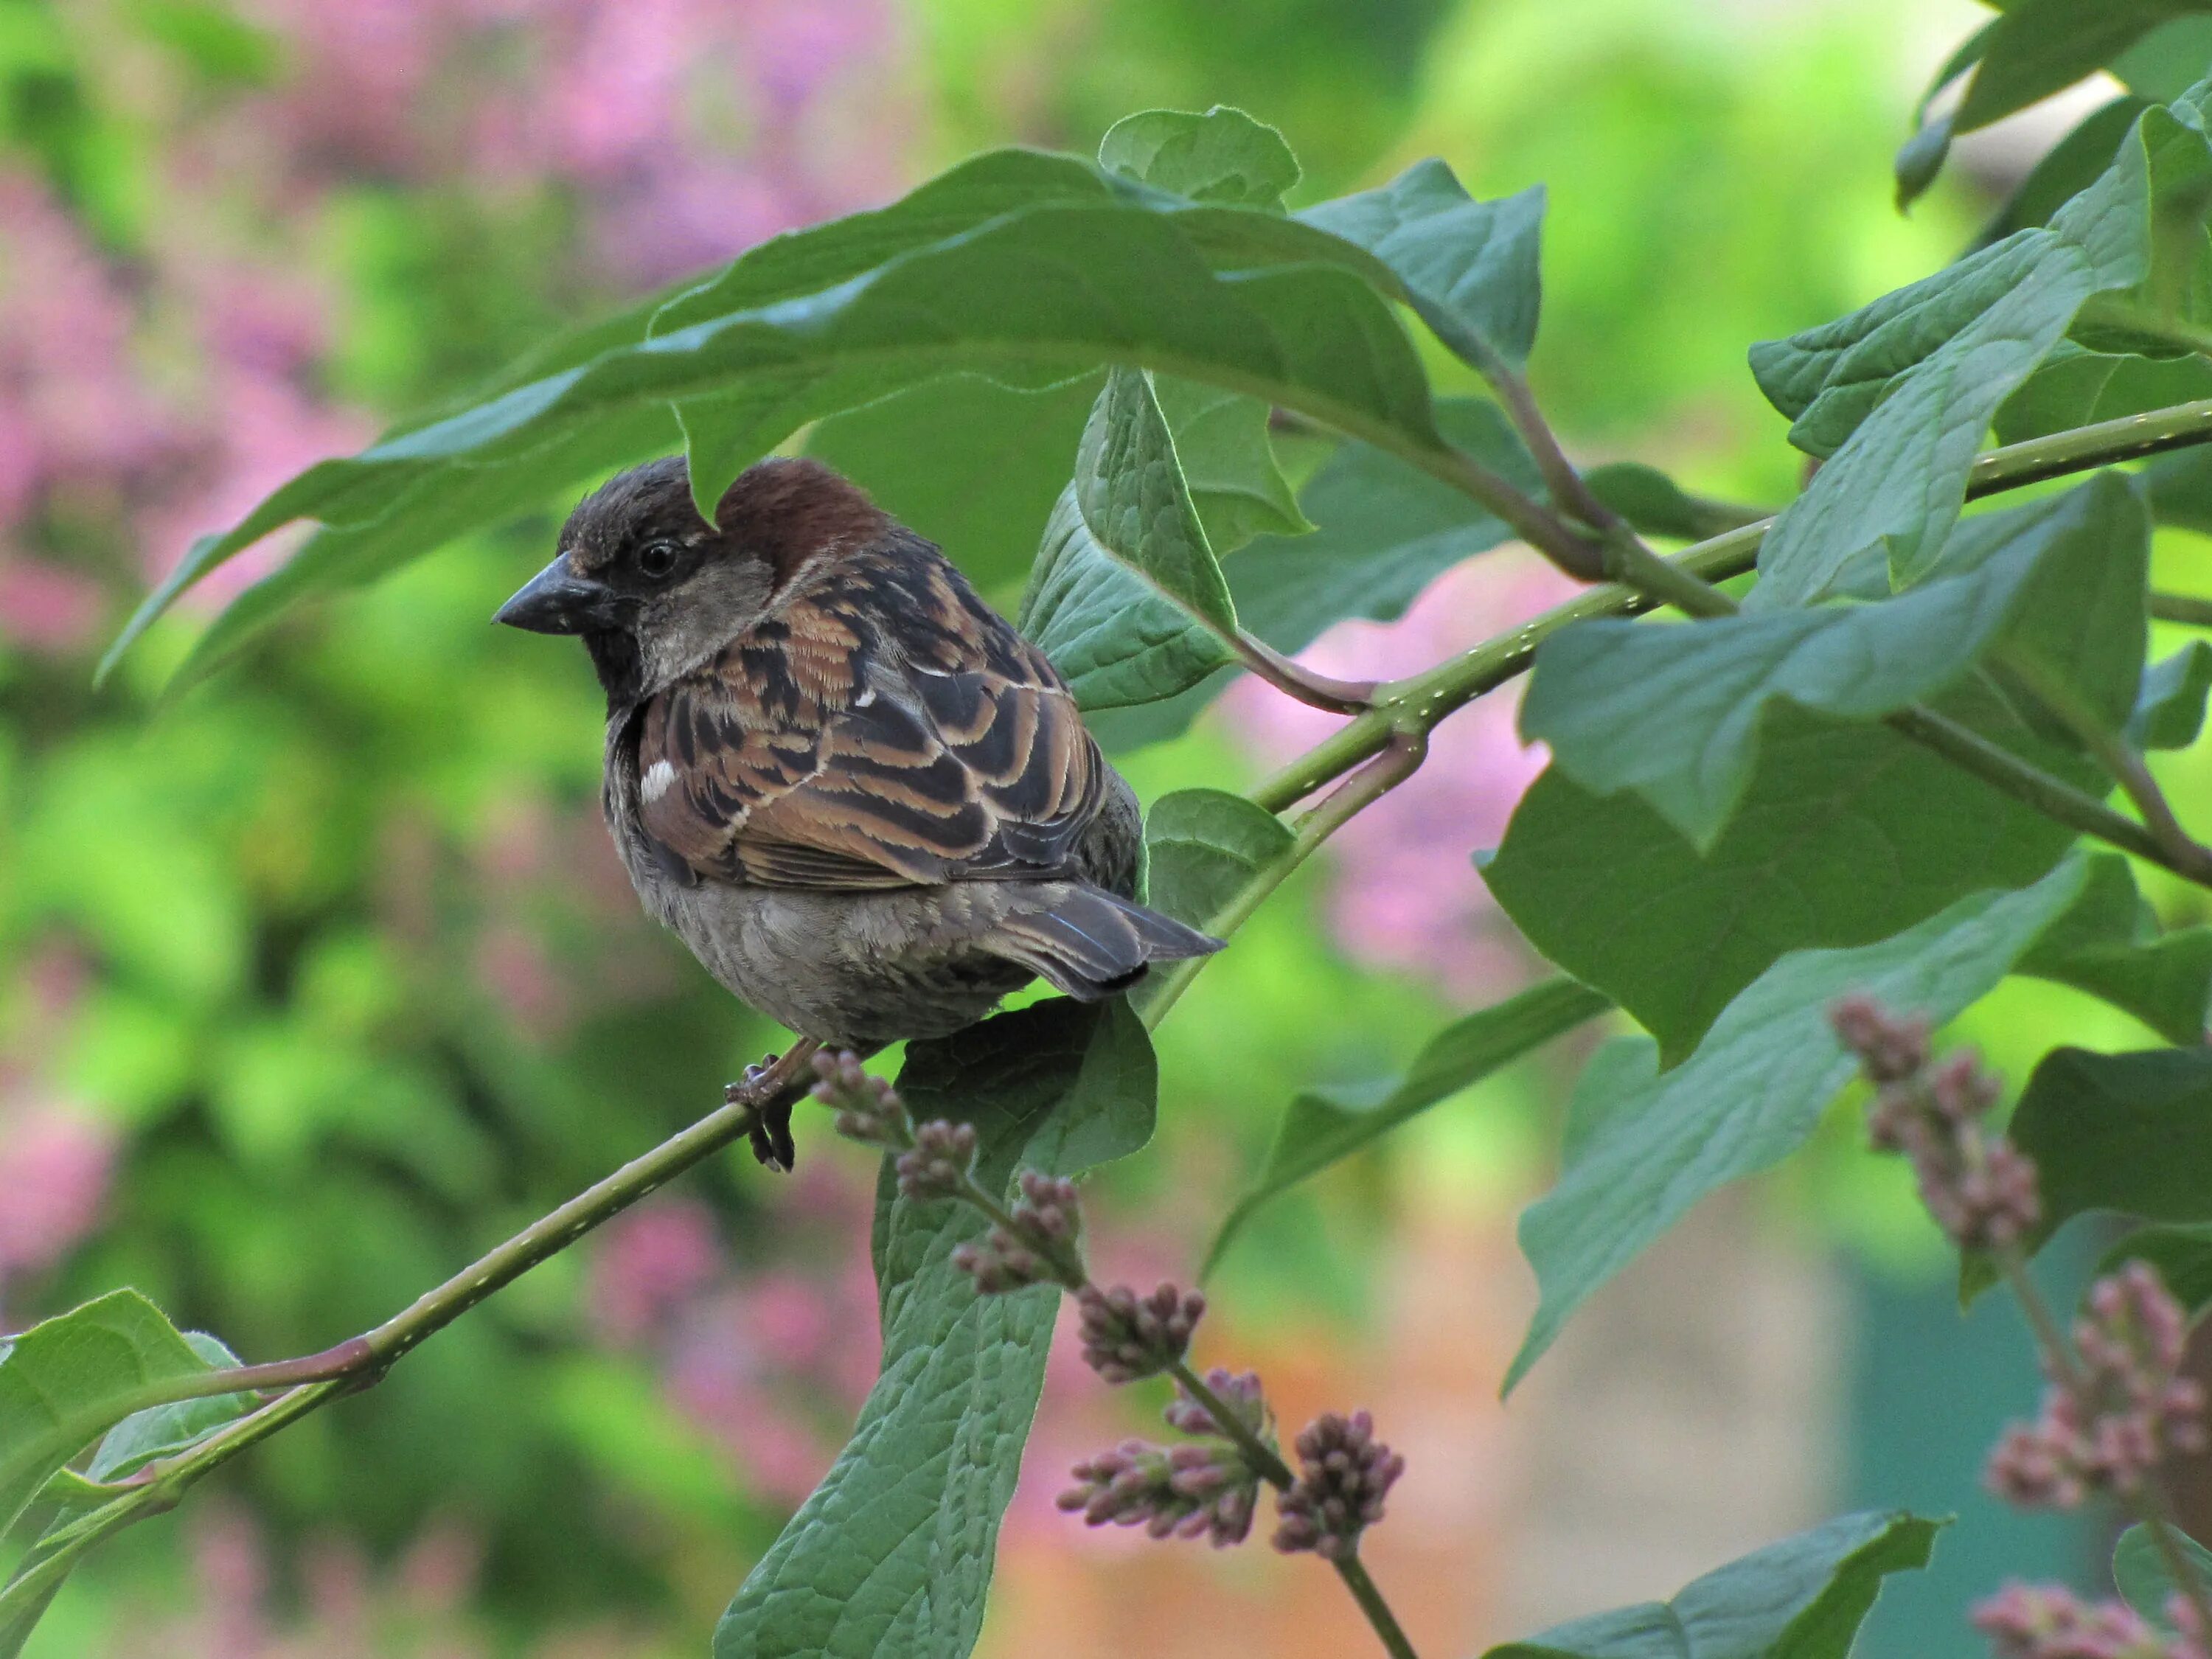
<point>867,805</point>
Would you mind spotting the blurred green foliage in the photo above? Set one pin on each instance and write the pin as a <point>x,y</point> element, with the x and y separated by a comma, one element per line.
<point>332,954</point>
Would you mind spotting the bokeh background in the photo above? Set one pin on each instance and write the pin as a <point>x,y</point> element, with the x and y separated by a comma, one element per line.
<point>316,983</point>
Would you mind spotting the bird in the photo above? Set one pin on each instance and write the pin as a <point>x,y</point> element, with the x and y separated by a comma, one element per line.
<point>865,802</point>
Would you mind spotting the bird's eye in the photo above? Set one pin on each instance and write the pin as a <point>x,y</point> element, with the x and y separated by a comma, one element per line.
<point>656,559</point>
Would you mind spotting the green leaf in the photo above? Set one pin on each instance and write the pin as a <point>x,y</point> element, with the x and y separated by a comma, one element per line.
<point>1223,156</point>
<point>2181,490</point>
<point>2169,710</point>
<point>1029,268</point>
<point>1245,300</point>
<point>1228,465</point>
<point>973,465</point>
<point>2140,1574</point>
<point>69,1379</point>
<point>1674,712</point>
<point>2110,944</point>
<point>2182,1253</point>
<point>1385,531</point>
<point>1846,835</point>
<point>2066,168</point>
<point>161,1431</point>
<point>2042,46</point>
<point>1471,268</point>
<point>1655,505</point>
<point>1321,1126</point>
<point>1908,386</point>
<point>1753,1090</point>
<point>1126,596</point>
<point>1921,157</point>
<point>1203,845</point>
<point>2126,1132</point>
<point>1803,1598</point>
<point>2078,388</point>
<point>893,1552</point>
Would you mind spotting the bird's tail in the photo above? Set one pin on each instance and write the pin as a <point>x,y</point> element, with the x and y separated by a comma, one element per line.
<point>1090,943</point>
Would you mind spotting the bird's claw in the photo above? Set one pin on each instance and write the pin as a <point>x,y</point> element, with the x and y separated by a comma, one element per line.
<point>770,1133</point>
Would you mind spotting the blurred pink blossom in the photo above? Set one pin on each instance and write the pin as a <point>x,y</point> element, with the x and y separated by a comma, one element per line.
<point>73,410</point>
<point>1406,894</point>
<point>56,1163</point>
<point>648,1263</point>
<point>47,609</point>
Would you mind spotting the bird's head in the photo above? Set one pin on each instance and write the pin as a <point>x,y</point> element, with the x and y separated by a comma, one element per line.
<point>656,592</point>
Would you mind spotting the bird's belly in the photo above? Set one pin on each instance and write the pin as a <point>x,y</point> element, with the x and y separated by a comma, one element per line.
<point>854,969</point>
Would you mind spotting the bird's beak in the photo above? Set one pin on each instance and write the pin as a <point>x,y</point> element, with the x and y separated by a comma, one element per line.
<point>557,600</point>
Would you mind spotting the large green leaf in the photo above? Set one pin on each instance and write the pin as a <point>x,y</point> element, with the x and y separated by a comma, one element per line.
<point>2077,386</point>
<point>2141,1575</point>
<point>1029,268</point>
<point>2042,46</point>
<point>1674,712</point>
<point>1908,386</point>
<point>1385,531</point>
<point>1322,1126</point>
<point>70,1379</point>
<point>2066,168</point>
<point>2111,946</point>
<point>1471,268</point>
<point>1803,1598</point>
<point>1228,465</point>
<point>1203,845</point>
<point>893,1552</point>
<point>2125,1133</point>
<point>973,465</point>
<point>1648,1144</point>
<point>1845,834</point>
<point>1223,156</point>
<point>1126,596</point>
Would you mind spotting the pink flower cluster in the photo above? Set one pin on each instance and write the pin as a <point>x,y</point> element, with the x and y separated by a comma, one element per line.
<point>681,130</point>
<point>689,129</point>
<point>2109,1420</point>
<point>2048,1621</point>
<point>1979,1188</point>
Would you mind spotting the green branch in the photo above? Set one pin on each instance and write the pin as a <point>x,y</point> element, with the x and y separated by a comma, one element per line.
<point>1419,702</point>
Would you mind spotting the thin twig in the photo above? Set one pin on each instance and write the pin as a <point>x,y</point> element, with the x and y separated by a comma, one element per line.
<point>1401,758</point>
<point>2183,852</point>
<point>2185,608</point>
<point>2054,798</point>
<point>1426,698</point>
<point>360,1360</point>
<point>1295,680</point>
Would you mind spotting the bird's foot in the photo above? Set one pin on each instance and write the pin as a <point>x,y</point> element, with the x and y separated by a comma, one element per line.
<point>769,1088</point>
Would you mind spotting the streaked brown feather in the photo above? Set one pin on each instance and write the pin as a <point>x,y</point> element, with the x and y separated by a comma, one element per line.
<point>880,728</point>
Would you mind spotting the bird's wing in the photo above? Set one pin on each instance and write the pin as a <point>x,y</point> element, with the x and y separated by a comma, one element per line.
<point>885,731</point>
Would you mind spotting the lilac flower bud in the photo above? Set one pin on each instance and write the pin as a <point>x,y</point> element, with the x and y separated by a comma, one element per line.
<point>1344,1474</point>
<point>2105,1427</point>
<point>1126,1336</point>
<point>869,1110</point>
<point>937,1164</point>
<point>1890,1050</point>
<point>1178,1491</point>
<point>2048,1621</point>
<point>1979,1188</point>
<point>1239,1393</point>
<point>1039,1246</point>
